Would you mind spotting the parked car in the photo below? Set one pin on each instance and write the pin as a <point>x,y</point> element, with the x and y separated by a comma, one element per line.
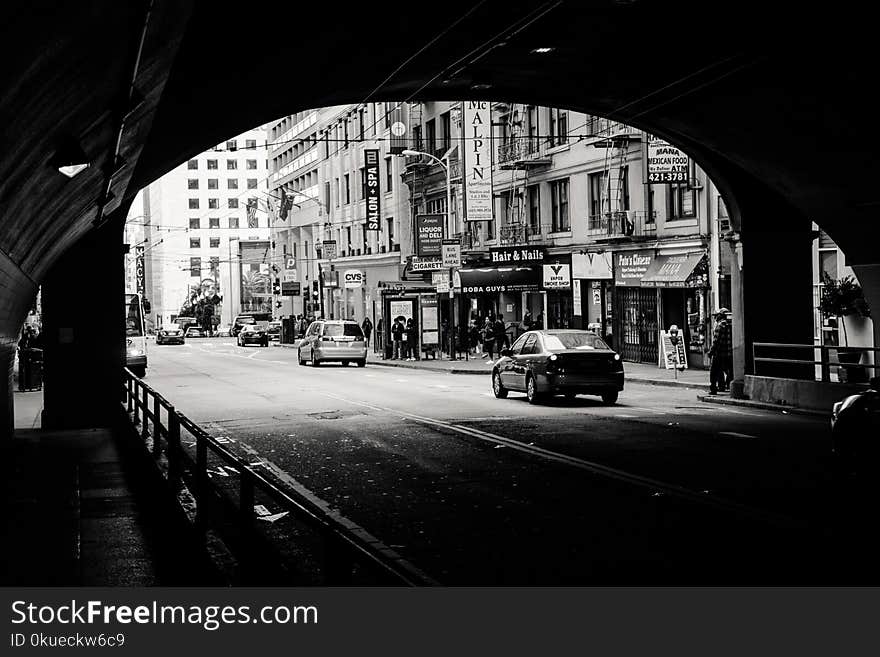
<point>240,322</point>
<point>224,331</point>
<point>333,340</point>
<point>274,331</point>
<point>568,362</point>
<point>172,334</point>
<point>252,334</point>
<point>855,425</point>
<point>193,331</point>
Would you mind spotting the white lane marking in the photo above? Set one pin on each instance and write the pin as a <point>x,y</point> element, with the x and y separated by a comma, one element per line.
<point>623,415</point>
<point>647,410</point>
<point>734,434</point>
<point>437,385</point>
<point>401,380</point>
<point>581,464</point>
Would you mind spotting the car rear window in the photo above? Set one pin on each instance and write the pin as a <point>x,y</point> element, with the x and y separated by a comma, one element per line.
<point>574,341</point>
<point>246,320</point>
<point>348,330</point>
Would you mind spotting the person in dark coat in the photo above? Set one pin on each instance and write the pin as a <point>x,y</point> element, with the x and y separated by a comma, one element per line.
<point>721,353</point>
<point>412,340</point>
<point>367,328</point>
<point>488,338</point>
<point>397,331</point>
<point>499,329</point>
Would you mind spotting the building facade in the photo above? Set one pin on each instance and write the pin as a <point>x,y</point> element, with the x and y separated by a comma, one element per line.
<point>206,234</point>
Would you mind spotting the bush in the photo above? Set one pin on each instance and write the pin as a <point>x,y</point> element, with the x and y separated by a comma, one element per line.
<point>842,297</point>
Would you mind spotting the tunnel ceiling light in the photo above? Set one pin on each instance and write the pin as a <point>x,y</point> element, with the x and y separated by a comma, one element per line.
<point>479,86</point>
<point>70,159</point>
<point>543,50</point>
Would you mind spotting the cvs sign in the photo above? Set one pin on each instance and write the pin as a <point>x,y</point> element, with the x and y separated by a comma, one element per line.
<point>353,278</point>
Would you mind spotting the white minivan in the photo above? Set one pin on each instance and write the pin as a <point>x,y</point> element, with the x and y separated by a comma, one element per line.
<point>340,340</point>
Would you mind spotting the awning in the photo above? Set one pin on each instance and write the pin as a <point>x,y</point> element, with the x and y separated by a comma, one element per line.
<point>676,271</point>
<point>492,280</point>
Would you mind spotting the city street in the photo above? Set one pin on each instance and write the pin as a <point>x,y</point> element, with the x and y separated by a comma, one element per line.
<point>659,488</point>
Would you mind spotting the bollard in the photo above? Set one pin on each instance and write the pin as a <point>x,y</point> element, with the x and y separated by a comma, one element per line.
<point>145,430</point>
<point>157,434</point>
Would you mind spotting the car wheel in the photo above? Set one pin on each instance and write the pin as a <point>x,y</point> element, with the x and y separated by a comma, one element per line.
<point>362,362</point>
<point>497,387</point>
<point>315,361</point>
<point>299,357</point>
<point>532,393</point>
<point>609,397</point>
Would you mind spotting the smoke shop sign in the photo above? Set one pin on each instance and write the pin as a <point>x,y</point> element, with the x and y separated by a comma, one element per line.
<point>630,267</point>
<point>518,255</point>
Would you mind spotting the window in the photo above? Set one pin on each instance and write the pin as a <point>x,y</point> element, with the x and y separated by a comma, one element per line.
<point>363,171</point>
<point>445,132</point>
<point>213,203</point>
<point>192,164</point>
<point>192,183</point>
<point>596,184</point>
<point>624,188</point>
<point>251,164</point>
<point>389,175</point>
<point>347,189</point>
<point>215,264</point>
<point>345,131</point>
<point>390,223</point>
<point>652,212</point>
<point>516,349</point>
<point>232,183</point>
<point>214,222</point>
<point>231,165</point>
<point>213,183</point>
<point>362,121</point>
<point>251,183</point>
<point>348,244</point>
<point>336,189</point>
<point>534,193</point>
<point>232,204</point>
<point>195,243</point>
<point>250,143</point>
<point>195,266</point>
<point>417,137</point>
<point>233,222</point>
<point>559,205</point>
<point>214,242</point>
<point>326,196</point>
<point>680,201</point>
<point>194,223</point>
<point>231,145</point>
<point>431,136</point>
<point>558,127</point>
<point>212,164</point>
<point>193,204</point>
<point>530,345</point>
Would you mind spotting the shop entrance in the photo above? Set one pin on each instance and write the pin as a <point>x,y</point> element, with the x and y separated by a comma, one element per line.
<point>636,324</point>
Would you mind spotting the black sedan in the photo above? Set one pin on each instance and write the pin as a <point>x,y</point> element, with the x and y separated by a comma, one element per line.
<point>253,334</point>
<point>855,425</point>
<point>569,362</point>
<point>171,335</point>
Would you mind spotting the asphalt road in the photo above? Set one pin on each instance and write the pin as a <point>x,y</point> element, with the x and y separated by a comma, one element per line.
<point>658,489</point>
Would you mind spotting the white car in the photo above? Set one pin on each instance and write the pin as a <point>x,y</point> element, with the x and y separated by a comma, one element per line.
<point>333,340</point>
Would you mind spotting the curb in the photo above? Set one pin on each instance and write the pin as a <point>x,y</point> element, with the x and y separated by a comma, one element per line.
<point>382,363</point>
<point>748,403</point>
<point>668,384</point>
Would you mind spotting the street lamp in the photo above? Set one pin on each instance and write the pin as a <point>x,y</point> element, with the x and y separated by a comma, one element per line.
<point>449,229</point>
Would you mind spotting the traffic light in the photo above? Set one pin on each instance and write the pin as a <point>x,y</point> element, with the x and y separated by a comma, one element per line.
<point>276,286</point>
<point>315,293</point>
<point>277,304</point>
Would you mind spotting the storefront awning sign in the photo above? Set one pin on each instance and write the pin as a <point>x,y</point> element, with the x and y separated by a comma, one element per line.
<point>631,266</point>
<point>493,280</point>
<point>674,271</point>
<point>517,255</point>
<point>595,266</point>
<point>426,264</point>
<point>557,277</point>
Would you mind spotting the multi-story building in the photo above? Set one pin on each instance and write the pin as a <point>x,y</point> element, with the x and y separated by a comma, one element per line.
<point>206,232</point>
<point>317,161</point>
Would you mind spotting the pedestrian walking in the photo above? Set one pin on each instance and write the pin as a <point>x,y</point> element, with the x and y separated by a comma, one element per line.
<point>488,338</point>
<point>539,321</point>
<point>499,328</point>
<point>412,340</point>
<point>367,328</point>
<point>397,331</point>
<point>527,321</point>
<point>721,353</point>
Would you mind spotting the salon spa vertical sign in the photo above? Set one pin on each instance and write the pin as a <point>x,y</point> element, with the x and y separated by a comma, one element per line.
<point>478,161</point>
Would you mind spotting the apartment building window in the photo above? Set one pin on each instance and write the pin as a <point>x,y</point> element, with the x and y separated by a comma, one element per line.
<point>214,222</point>
<point>624,188</point>
<point>532,127</point>
<point>387,111</point>
<point>192,164</point>
<point>231,165</point>
<point>348,244</point>
<point>347,189</point>
<point>193,204</point>
<point>680,201</point>
<point>195,242</point>
<point>362,122</point>
<point>389,175</point>
<point>345,133</point>
<point>232,204</point>
<point>534,194</point>
<point>558,127</point>
<point>195,267</point>
<point>445,132</point>
<point>213,183</point>
<point>364,239</point>
<point>214,242</point>
<point>431,136</point>
<point>652,208</point>
<point>559,205</point>
<point>250,143</point>
<point>251,164</point>
<point>233,222</point>
<point>192,183</point>
<point>417,137</point>
<point>390,223</point>
<point>231,145</point>
<point>251,183</point>
<point>363,171</point>
<point>213,203</point>
<point>327,195</point>
<point>215,265</point>
<point>194,223</point>
<point>212,164</point>
<point>232,183</point>
<point>596,184</point>
<point>337,193</point>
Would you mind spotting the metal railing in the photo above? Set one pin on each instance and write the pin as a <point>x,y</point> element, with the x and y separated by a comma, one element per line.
<point>520,149</point>
<point>622,223</point>
<point>345,553</point>
<point>841,361</point>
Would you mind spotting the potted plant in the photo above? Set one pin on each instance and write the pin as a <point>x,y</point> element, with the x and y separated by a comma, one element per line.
<point>843,298</point>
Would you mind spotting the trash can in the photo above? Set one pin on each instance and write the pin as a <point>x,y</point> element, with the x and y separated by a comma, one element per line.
<point>30,369</point>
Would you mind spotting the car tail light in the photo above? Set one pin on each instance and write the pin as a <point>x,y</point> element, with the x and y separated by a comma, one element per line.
<point>553,364</point>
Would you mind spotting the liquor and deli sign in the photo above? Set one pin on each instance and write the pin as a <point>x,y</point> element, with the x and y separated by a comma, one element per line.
<point>665,162</point>
<point>429,234</point>
<point>518,254</point>
<point>630,267</point>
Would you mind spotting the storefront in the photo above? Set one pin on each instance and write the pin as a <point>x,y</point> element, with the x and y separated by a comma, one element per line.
<point>498,289</point>
<point>636,329</point>
<point>408,300</point>
<point>591,291</point>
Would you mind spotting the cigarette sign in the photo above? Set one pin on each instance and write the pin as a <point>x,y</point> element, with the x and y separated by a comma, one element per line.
<point>666,163</point>
<point>371,175</point>
<point>426,264</point>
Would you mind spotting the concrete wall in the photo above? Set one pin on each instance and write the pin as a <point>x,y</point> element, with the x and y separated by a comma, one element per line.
<point>800,394</point>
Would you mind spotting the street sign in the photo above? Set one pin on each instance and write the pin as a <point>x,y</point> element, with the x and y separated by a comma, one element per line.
<point>329,251</point>
<point>451,253</point>
<point>290,289</point>
<point>289,275</point>
<point>290,263</point>
<point>353,278</point>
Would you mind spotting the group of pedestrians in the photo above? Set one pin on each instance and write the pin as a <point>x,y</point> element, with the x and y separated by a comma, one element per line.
<point>405,339</point>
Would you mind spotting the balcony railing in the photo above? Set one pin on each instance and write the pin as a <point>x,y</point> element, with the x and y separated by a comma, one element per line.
<point>517,233</point>
<point>622,224</point>
<point>522,151</point>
